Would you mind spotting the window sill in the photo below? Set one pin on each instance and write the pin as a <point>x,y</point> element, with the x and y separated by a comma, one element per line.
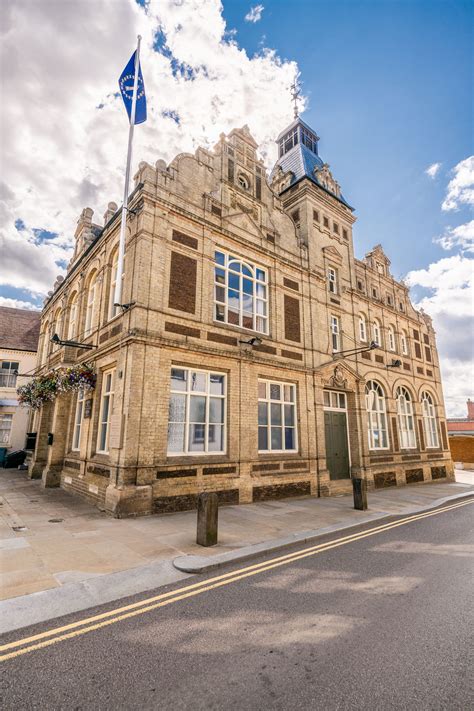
<point>240,329</point>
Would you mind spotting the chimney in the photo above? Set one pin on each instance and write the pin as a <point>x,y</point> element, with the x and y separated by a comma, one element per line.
<point>470,409</point>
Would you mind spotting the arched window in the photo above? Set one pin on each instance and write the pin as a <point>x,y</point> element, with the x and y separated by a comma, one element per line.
<point>91,305</point>
<point>44,344</point>
<point>240,293</point>
<point>376,416</point>
<point>113,310</point>
<point>362,328</point>
<point>72,326</point>
<point>429,420</point>
<point>55,329</point>
<point>404,342</point>
<point>406,422</point>
<point>391,338</point>
<point>377,333</point>
<point>243,182</point>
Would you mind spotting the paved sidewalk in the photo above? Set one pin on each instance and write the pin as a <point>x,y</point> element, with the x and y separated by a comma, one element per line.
<point>49,538</point>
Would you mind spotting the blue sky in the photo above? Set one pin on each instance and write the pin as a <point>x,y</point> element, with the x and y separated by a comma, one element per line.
<point>389,89</point>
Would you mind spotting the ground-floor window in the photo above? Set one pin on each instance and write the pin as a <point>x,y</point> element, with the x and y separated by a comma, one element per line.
<point>106,407</point>
<point>5,428</point>
<point>429,420</point>
<point>406,422</point>
<point>197,412</point>
<point>276,417</point>
<point>376,416</point>
<point>76,437</point>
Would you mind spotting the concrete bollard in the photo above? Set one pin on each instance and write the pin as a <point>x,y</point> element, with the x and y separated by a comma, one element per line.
<point>359,489</point>
<point>207,511</point>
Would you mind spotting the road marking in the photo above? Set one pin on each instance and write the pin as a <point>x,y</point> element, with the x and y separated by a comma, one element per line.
<point>118,614</point>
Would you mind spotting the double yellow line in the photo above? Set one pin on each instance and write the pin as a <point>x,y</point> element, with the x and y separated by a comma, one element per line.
<point>89,624</point>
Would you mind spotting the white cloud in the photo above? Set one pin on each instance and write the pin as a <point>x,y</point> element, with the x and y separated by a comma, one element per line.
<point>17,304</point>
<point>254,14</point>
<point>433,169</point>
<point>450,299</point>
<point>461,236</point>
<point>64,152</point>
<point>461,186</point>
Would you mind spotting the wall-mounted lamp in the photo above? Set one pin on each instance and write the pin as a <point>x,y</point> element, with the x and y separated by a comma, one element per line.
<point>254,341</point>
<point>394,364</point>
<point>74,344</point>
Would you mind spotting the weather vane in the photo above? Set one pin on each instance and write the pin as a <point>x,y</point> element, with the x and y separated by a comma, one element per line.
<point>295,93</point>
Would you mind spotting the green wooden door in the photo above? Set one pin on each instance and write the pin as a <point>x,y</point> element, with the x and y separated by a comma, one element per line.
<point>337,451</point>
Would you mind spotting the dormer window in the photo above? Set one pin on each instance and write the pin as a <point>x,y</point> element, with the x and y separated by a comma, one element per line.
<point>289,140</point>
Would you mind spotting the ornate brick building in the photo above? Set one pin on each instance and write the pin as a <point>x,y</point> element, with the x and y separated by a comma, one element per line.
<point>244,359</point>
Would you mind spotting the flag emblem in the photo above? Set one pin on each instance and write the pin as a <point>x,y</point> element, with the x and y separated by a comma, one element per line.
<point>126,83</point>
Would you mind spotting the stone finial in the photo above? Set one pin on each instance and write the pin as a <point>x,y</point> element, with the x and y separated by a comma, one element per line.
<point>112,208</point>
<point>59,280</point>
<point>160,164</point>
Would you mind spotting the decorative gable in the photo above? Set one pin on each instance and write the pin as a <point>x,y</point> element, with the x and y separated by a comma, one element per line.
<point>324,177</point>
<point>332,253</point>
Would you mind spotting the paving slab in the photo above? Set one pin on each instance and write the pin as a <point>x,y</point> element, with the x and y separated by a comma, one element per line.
<point>79,556</point>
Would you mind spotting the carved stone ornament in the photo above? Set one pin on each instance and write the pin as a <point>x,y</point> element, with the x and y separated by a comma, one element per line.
<point>324,177</point>
<point>248,209</point>
<point>337,380</point>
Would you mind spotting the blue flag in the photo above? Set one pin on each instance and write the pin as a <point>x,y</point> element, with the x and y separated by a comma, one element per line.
<point>126,88</point>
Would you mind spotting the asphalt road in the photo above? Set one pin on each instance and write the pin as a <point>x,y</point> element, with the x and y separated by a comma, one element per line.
<point>379,621</point>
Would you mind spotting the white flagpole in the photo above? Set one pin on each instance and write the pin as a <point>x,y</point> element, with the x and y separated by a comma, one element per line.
<point>123,225</point>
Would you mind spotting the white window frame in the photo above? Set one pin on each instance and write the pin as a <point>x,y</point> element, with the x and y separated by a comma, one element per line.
<point>106,409</point>
<point>6,432</point>
<point>404,342</point>
<point>429,421</point>
<point>406,419</point>
<point>78,419</point>
<point>335,333</point>
<point>362,329</point>
<point>8,377</point>
<point>391,339</point>
<point>332,280</point>
<point>188,393</point>
<point>72,325</point>
<point>267,401</point>
<point>377,332</point>
<point>258,277</point>
<point>377,429</point>
<point>90,306</point>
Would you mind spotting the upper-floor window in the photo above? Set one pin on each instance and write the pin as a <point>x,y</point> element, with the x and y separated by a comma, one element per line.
<point>6,422</point>
<point>401,306</point>
<point>243,182</point>
<point>240,293</point>
<point>197,412</point>
<point>360,285</point>
<point>362,328</point>
<point>276,416</point>
<point>106,409</point>
<point>335,334</point>
<point>375,293</point>
<point>377,333</point>
<point>91,305</point>
<point>335,228</point>
<point>406,423</point>
<point>56,327</point>
<point>326,222</point>
<point>344,233</point>
<point>332,280</point>
<point>429,420</point>
<point>404,342</point>
<point>391,338</point>
<point>72,325</point>
<point>389,299</point>
<point>376,416</point>
<point>8,373</point>
<point>315,216</point>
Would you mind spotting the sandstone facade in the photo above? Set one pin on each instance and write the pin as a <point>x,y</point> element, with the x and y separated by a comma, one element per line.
<point>241,362</point>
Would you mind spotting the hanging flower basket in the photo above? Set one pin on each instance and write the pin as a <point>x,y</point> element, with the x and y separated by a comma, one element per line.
<point>46,388</point>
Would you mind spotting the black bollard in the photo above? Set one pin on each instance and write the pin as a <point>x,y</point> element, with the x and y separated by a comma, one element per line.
<point>207,511</point>
<point>359,488</point>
